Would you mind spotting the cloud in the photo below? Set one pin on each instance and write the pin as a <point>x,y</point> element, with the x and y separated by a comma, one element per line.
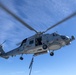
<point>36,71</point>
<point>17,73</point>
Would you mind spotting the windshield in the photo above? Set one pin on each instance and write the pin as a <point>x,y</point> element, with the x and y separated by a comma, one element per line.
<point>63,37</point>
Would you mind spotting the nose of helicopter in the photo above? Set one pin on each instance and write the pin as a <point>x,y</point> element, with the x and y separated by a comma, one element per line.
<point>68,41</point>
<point>72,38</point>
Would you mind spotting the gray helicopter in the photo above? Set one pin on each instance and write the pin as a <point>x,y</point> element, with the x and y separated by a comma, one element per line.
<point>40,43</point>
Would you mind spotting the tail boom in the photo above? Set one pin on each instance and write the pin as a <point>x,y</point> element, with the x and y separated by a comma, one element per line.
<point>2,53</point>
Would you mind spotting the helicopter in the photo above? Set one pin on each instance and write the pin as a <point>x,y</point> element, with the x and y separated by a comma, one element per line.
<point>40,43</point>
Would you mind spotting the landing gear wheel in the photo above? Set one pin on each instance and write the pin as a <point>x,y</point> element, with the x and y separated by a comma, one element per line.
<point>52,54</point>
<point>21,58</point>
<point>44,46</point>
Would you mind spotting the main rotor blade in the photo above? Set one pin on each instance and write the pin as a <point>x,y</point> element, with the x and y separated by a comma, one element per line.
<point>16,17</point>
<point>72,15</point>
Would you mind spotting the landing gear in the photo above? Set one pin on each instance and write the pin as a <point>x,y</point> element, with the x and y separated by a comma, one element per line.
<point>21,58</point>
<point>44,46</point>
<point>52,54</point>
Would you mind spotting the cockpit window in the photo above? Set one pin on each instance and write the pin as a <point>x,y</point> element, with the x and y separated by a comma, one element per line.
<point>63,37</point>
<point>54,34</point>
<point>31,42</point>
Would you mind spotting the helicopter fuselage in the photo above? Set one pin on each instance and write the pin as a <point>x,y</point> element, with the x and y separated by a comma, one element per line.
<point>40,44</point>
<point>45,42</point>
